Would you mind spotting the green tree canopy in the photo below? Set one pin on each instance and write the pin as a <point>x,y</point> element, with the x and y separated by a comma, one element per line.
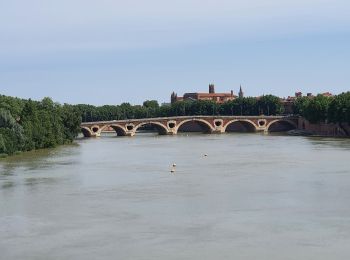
<point>151,104</point>
<point>27,124</point>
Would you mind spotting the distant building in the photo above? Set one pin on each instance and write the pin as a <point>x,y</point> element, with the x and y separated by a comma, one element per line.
<point>298,94</point>
<point>211,95</point>
<point>288,103</point>
<point>240,93</point>
<point>327,94</point>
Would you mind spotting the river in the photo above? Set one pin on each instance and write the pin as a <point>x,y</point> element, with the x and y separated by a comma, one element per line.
<point>253,196</point>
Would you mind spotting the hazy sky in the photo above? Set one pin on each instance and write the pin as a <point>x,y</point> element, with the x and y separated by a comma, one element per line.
<point>110,51</point>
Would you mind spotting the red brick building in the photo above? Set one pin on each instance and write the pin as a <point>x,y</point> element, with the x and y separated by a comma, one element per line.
<point>211,95</point>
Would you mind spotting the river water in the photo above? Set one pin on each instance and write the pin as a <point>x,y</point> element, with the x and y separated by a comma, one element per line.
<point>253,196</point>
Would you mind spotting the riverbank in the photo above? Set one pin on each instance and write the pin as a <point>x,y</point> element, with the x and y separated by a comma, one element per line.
<point>321,129</point>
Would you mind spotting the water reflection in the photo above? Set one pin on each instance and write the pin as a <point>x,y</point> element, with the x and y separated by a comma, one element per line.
<point>331,143</point>
<point>39,159</point>
<point>40,180</point>
<point>7,184</point>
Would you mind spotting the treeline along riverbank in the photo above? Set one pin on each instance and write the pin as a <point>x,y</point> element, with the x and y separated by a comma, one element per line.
<point>26,124</point>
<point>318,109</point>
<point>323,115</point>
<point>268,105</point>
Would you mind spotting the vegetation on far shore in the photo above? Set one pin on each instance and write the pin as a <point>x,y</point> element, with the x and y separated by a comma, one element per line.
<point>27,125</point>
<point>269,105</point>
<point>333,109</point>
<point>320,108</point>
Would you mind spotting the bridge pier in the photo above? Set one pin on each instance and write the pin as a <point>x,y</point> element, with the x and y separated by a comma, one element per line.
<point>218,126</point>
<point>218,131</point>
<point>171,133</point>
<point>93,135</point>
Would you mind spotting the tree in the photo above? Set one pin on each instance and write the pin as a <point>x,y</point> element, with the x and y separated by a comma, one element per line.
<point>317,108</point>
<point>339,109</point>
<point>270,105</point>
<point>12,138</point>
<point>300,105</point>
<point>151,104</point>
<point>33,125</point>
<point>71,122</point>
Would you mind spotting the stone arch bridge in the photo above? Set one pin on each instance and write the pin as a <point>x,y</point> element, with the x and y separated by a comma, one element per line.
<point>207,124</point>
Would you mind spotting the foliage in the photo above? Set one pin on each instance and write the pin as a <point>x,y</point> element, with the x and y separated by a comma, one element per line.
<point>334,109</point>
<point>242,106</point>
<point>270,105</point>
<point>151,104</point>
<point>315,109</point>
<point>26,125</point>
<point>339,109</point>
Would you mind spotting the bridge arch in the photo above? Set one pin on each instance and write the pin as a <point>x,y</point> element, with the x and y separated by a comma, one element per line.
<point>280,125</point>
<point>120,130</point>
<point>205,125</point>
<point>245,125</point>
<point>86,131</point>
<point>162,129</point>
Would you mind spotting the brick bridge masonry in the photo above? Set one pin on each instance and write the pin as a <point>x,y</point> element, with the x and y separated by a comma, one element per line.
<point>171,125</point>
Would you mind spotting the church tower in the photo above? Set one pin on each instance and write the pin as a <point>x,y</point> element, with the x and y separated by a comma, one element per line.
<point>173,97</point>
<point>240,93</point>
<point>211,88</point>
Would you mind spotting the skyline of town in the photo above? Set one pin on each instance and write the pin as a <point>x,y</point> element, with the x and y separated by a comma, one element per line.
<point>221,97</point>
<point>167,100</point>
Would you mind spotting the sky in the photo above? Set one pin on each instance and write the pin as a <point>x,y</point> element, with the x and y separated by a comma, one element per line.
<point>112,51</point>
